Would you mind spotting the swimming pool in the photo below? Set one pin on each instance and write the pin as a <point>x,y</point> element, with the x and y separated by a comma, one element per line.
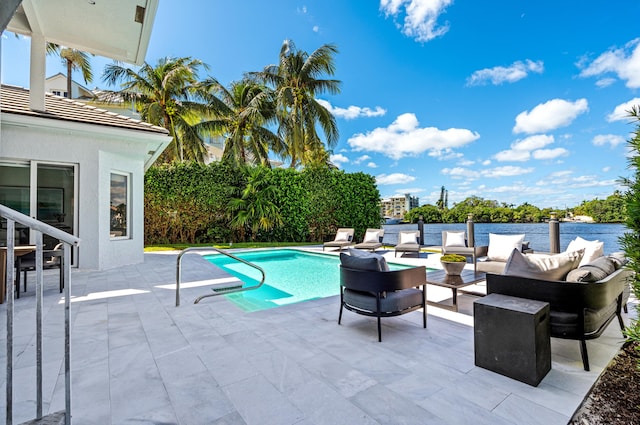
<point>291,276</point>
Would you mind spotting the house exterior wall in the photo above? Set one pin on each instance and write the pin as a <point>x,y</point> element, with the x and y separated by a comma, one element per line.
<point>97,151</point>
<point>57,85</point>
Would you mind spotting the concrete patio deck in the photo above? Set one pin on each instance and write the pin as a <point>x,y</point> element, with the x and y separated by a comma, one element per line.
<point>138,359</point>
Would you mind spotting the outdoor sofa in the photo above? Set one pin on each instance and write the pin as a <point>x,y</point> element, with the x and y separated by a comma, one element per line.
<point>582,302</point>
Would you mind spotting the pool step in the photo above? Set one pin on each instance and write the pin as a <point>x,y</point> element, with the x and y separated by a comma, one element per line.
<point>226,288</point>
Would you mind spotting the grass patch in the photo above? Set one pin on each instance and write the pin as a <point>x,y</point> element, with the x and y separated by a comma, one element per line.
<point>181,246</point>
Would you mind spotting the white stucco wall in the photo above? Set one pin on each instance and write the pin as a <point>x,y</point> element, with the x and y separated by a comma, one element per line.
<point>97,150</point>
<point>121,251</point>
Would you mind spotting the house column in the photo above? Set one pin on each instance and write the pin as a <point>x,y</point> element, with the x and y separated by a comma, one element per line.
<point>37,72</point>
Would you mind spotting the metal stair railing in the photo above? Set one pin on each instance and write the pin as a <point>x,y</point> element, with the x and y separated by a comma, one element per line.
<point>219,290</point>
<point>39,228</point>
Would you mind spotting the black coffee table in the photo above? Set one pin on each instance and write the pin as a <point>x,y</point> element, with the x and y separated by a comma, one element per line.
<point>466,278</point>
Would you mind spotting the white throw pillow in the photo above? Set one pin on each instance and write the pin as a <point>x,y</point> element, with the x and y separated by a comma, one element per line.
<point>592,249</point>
<point>408,238</point>
<point>500,246</point>
<point>371,237</point>
<point>342,236</point>
<point>541,266</point>
<point>455,239</point>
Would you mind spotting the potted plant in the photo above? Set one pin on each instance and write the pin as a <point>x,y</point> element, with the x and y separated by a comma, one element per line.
<point>453,263</point>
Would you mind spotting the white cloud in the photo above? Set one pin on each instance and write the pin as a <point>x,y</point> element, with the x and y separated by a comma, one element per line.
<point>372,165</point>
<point>623,62</point>
<point>551,115</point>
<point>395,178</point>
<point>411,190</point>
<point>620,112</point>
<point>352,112</point>
<point>500,74</point>
<point>506,171</point>
<point>513,155</point>
<point>606,169</point>
<point>338,159</point>
<point>562,173</point>
<point>361,159</point>
<point>591,181</point>
<point>404,137</point>
<point>532,142</point>
<point>459,173</point>
<point>316,28</point>
<point>605,82</point>
<point>521,150</point>
<point>612,139</point>
<point>546,154</point>
<point>421,17</point>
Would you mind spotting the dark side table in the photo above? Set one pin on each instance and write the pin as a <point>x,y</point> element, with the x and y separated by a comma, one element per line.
<point>511,337</point>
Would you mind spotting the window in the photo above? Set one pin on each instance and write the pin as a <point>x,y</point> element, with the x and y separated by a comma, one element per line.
<point>119,227</point>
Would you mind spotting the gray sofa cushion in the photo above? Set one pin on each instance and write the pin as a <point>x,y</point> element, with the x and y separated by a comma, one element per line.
<point>381,261</point>
<point>359,263</point>
<point>394,301</point>
<point>495,267</point>
<point>361,260</point>
<point>619,259</point>
<point>563,323</point>
<point>594,271</point>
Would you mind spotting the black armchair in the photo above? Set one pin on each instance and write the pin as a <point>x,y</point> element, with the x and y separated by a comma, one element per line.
<point>383,293</point>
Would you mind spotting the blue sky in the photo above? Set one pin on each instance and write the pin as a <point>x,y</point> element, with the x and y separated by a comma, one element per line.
<point>515,101</point>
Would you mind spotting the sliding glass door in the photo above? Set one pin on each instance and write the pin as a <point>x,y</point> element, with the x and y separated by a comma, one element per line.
<point>45,191</point>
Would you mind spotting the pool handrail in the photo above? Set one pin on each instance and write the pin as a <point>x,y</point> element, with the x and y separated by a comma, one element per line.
<point>222,292</point>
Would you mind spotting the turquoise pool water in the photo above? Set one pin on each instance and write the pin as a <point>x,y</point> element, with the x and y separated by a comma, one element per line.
<point>291,276</point>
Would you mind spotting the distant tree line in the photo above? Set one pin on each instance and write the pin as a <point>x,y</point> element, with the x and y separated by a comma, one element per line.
<point>610,210</point>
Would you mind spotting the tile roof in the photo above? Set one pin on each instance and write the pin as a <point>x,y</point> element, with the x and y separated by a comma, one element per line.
<point>15,100</point>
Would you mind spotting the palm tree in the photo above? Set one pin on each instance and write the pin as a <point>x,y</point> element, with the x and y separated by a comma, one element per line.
<point>255,209</point>
<point>296,82</point>
<point>167,95</point>
<point>240,114</point>
<point>74,60</point>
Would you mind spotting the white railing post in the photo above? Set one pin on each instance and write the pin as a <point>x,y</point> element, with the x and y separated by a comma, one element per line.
<point>12,217</point>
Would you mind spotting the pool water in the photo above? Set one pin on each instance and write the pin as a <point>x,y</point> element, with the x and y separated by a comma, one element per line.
<point>291,276</point>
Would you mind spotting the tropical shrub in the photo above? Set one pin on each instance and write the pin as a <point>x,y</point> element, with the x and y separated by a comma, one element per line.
<point>195,203</point>
<point>631,240</point>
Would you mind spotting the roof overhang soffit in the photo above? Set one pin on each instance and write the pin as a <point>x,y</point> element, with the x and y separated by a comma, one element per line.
<point>116,29</point>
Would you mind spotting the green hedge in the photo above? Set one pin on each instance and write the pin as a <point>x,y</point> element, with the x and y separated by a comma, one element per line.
<point>187,203</point>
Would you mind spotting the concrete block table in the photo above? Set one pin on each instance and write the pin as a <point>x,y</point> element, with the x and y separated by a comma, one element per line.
<point>511,337</point>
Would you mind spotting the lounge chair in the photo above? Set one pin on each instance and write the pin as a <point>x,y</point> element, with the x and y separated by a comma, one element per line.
<point>372,240</point>
<point>455,242</point>
<point>407,242</point>
<point>344,238</point>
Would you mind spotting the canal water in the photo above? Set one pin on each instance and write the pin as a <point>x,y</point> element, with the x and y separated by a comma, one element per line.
<point>537,233</point>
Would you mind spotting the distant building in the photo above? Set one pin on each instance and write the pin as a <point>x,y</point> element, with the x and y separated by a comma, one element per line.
<point>57,85</point>
<point>396,207</point>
